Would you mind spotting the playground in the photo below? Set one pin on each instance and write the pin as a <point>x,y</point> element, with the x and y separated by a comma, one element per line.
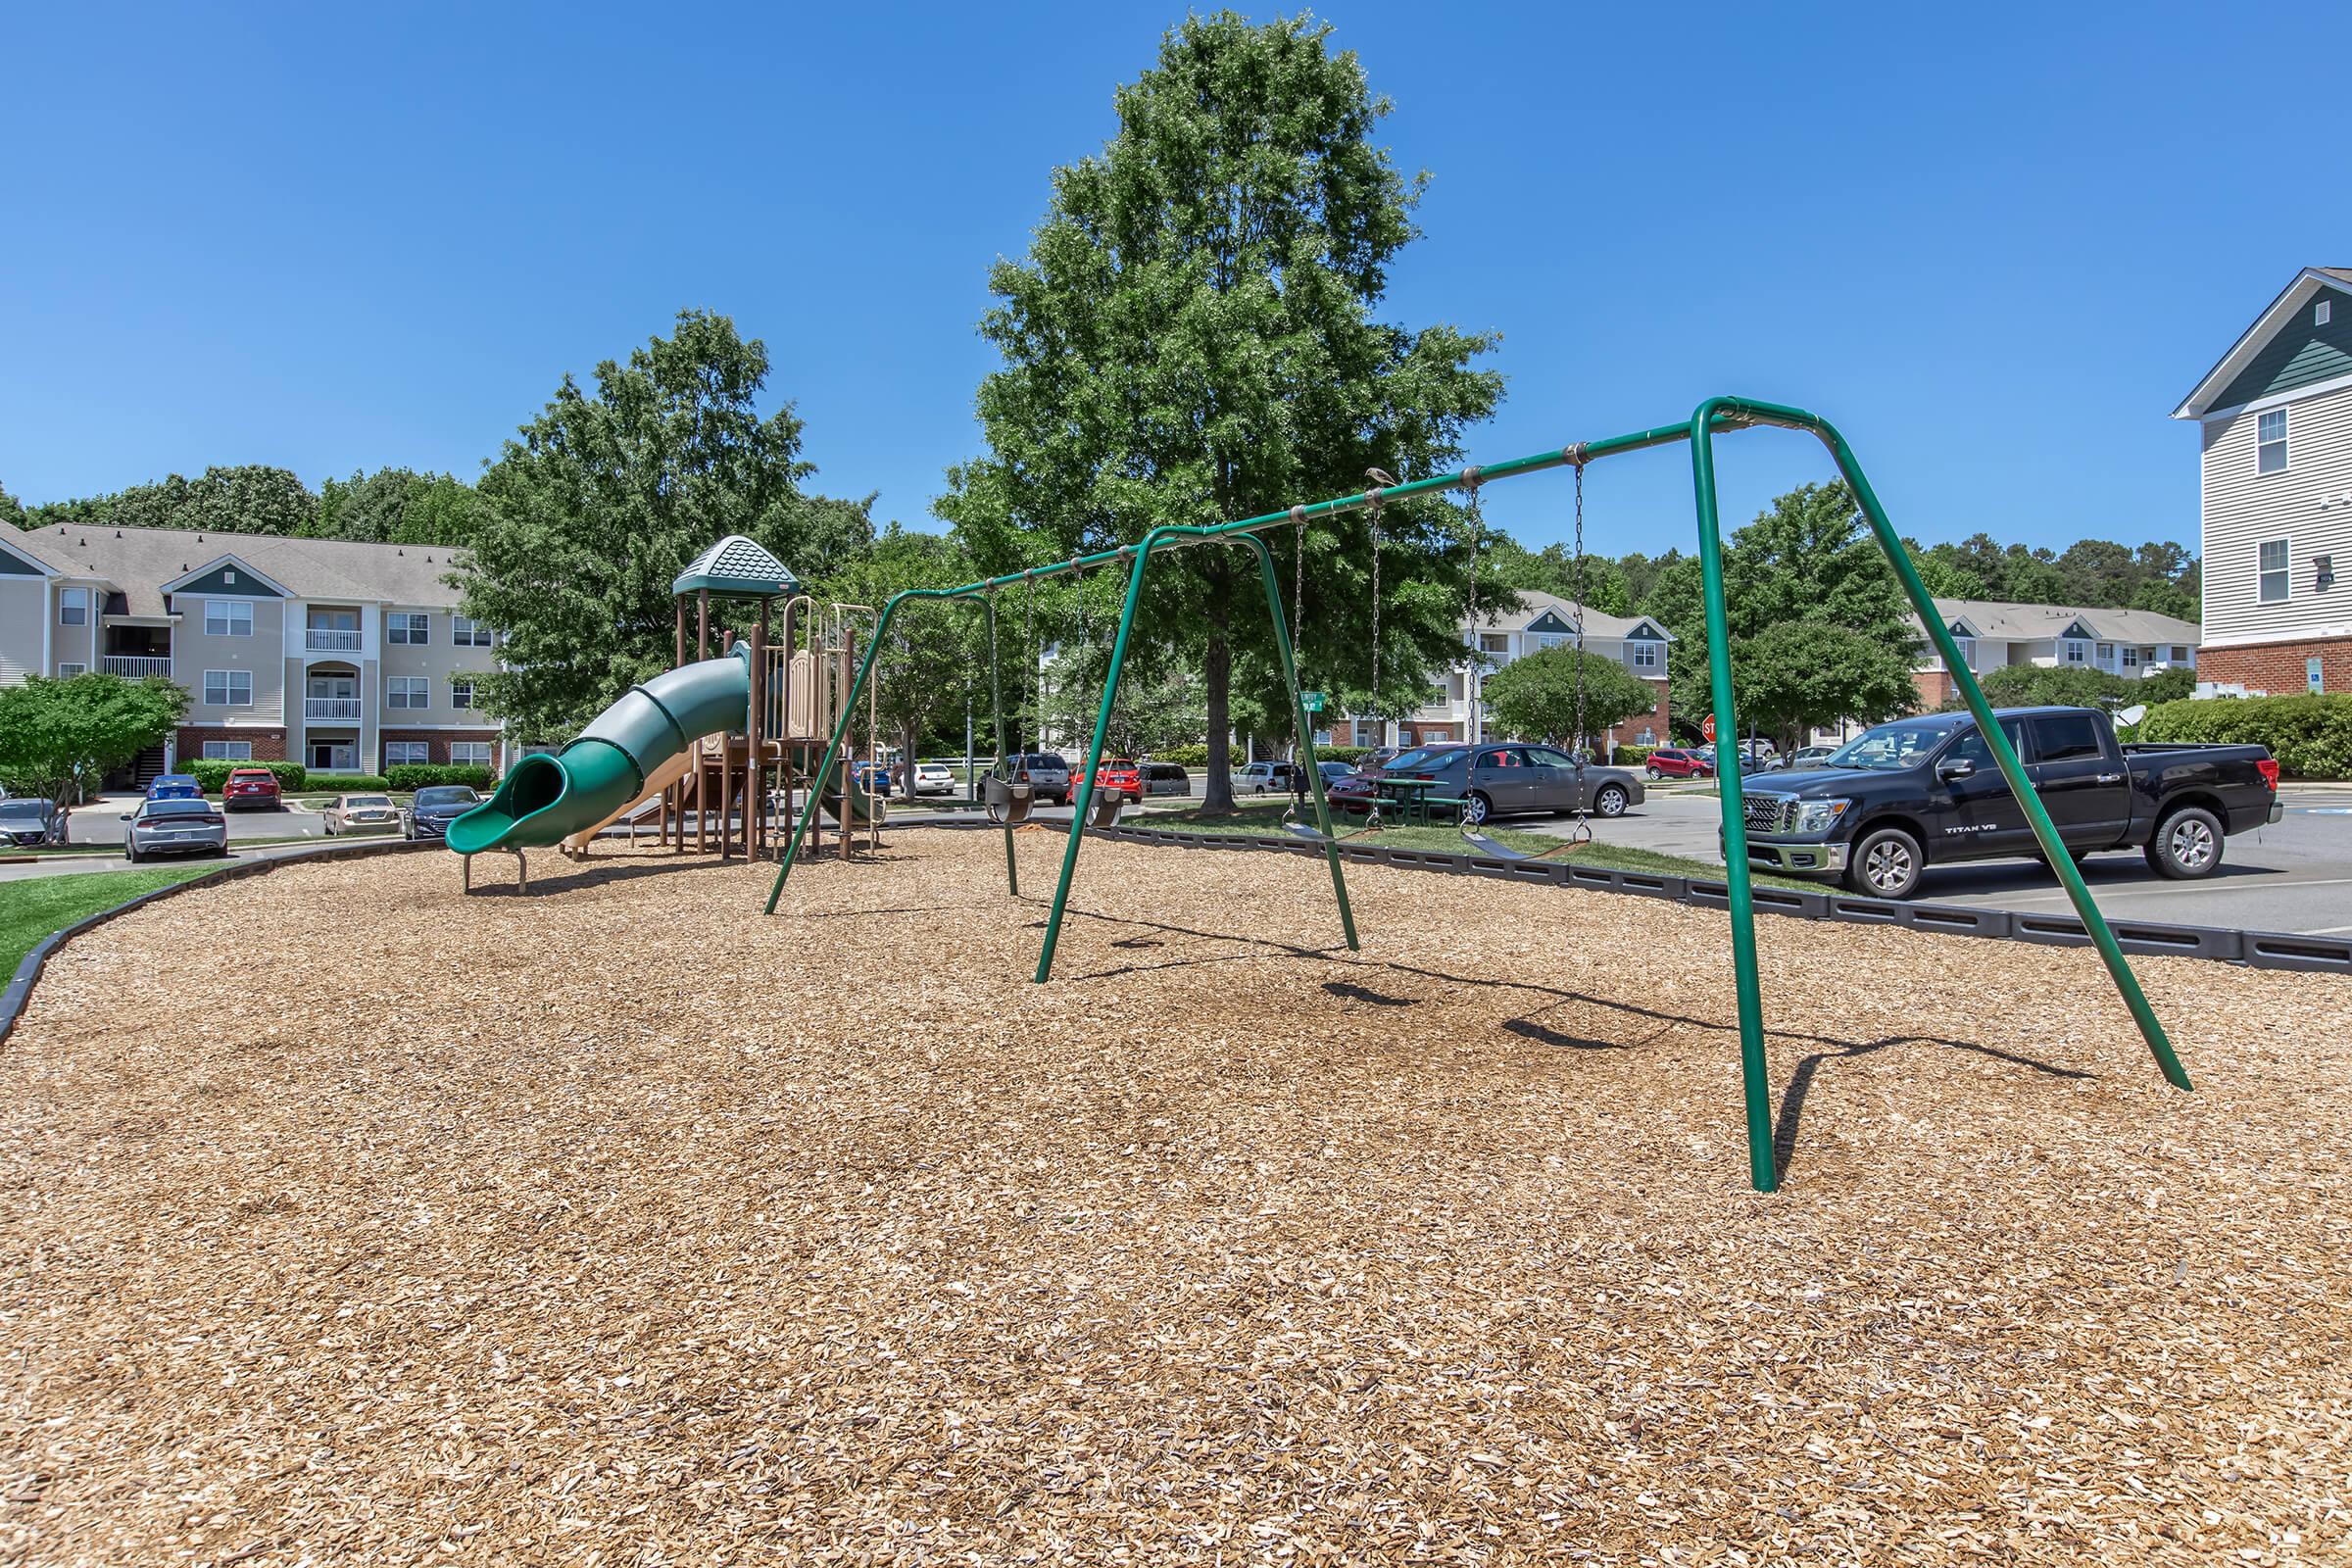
<point>676,1233</point>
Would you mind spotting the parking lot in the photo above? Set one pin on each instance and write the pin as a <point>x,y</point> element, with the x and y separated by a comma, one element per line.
<point>100,822</point>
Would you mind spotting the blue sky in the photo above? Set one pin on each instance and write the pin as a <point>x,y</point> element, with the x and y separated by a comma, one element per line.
<point>1997,245</point>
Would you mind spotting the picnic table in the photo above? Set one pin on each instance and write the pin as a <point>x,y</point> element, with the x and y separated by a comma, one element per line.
<point>1415,802</point>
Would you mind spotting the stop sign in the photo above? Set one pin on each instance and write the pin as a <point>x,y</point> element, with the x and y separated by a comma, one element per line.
<point>1708,728</point>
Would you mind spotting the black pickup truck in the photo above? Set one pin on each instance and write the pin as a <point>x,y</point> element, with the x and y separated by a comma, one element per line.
<point>1925,791</point>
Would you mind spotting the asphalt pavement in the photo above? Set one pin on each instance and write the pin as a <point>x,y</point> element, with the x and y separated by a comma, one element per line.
<point>100,822</point>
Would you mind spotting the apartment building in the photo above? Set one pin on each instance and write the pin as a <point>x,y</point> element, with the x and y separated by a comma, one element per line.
<point>1455,712</point>
<point>2275,494</point>
<point>2131,642</point>
<point>347,658</point>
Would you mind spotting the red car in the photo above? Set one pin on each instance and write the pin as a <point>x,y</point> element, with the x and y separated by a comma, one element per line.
<point>250,789</point>
<point>1672,762</point>
<point>1119,776</point>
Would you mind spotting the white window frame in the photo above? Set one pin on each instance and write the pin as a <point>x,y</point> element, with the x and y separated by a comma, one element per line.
<point>1550,639</point>
<point>67,669</point>
<point>2284,571</point>
<point>486,750</point>
<point>461,691</point>
<point>408,629</point>
<point>1968,651</point>
<point>2182,654</point>
<point>73,607</point>
<point>229,688</point>
<point>409,693</point>
<point>2263,443</point>
<point>468,633</point>
<point>228,750</point>
<point>221,617</point>
<point>424,747</point>
<point>2322,313</point>
<point>2129,653</point>
<point>2074,651</point>
<point>1641,654</point>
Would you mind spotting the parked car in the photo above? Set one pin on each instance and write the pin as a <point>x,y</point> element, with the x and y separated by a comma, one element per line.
<point>1519,781</point>
<point>250,789</point>
<point>179,826</point>
<point>1166,778</point>
<point>1264,778</point>
<point>1810,757</point>
<point>1674,762</point>
<point>1048,774</point>
<point>174,787</point>
<point>1354,793</point>
<point>362,814</point>
<point>1925,791</point>
<point>877,778</point>
<point>28,822</point>
<point>1332,772</point>
<point>1118,778</point>
<point>434,807</point>
<point>933,778</point>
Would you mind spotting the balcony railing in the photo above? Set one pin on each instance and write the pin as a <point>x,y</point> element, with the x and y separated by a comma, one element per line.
<point>325,640</point>
<point>331,707</point>
<point>138,666</point>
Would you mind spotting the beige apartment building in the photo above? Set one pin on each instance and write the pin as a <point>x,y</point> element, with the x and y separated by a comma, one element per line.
<point>347,658</point>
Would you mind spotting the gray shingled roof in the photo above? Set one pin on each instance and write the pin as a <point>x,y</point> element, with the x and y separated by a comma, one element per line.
<point>140,560</point>
<point>1597,623</point>
<point>736,566</point>
<point>2009,622</point>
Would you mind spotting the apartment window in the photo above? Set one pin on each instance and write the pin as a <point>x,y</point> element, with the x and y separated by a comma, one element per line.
<point>2180,654</point>
<point>1647,656</point>
<point>1550,639</point>
<point>2131,657</point>
<point>2077,652</point>
<point>398,754</point>
<point>73,607</point>
<point>402,627</point>
<point>409,691</point>
<point>66,671</point>
<point>468,633</point>
<point>1968,651</point>
<point>460,694</point>
<point>2106,655</point>
<point>2269,442</point>
<point>2271,584</point>
<point>2313,680</point>
<point>228,617</point>
<point>229,688</point>
<point>2323,312</point>
<point>228,750</point>
<point>470,753</point>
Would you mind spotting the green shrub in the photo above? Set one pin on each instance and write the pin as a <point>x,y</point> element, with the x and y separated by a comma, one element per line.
<point>2176,683</point>
<point>210,776</point>
<point>2051,686</point>
<point>346,783</point>
<point>1183,756</point>
<point>420,775</point>
<point>1631,756</point>
<point>2310,736</point>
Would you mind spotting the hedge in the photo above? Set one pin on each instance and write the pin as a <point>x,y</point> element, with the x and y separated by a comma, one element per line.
<point>1631,756</point>
<point>345,783</point>
<point>2310,736</point>
<point>210,776</point>
<point>418,775</point>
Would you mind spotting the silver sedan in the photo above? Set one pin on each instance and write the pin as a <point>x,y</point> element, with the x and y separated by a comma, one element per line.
<point>1515,780</point>
<point>175,827</point>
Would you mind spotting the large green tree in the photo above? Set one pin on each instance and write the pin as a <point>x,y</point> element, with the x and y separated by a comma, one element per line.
<point>599,502</point>
<point>1808,557</point>
<point>398,507</point>
<point>1536,697</point>
<point>935,657</point>
<point>58,738</point>
<point>1806,674</point>
<point>1192,337</point>
<point>251,498</point>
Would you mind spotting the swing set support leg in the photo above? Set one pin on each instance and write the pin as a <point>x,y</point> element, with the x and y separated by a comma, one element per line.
<point>1111,691</point>
<point>996,702</point>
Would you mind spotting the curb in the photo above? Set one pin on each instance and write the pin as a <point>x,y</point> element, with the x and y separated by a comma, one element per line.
<point>20,985</point>
<point>2259,950</point>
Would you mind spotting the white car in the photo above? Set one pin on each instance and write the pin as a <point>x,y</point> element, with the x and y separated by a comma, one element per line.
<point>933,778</point>
<point>362,814</point>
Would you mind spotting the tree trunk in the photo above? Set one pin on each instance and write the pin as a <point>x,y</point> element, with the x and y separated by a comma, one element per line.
<point>906,738</point>
<point>1217,670</point>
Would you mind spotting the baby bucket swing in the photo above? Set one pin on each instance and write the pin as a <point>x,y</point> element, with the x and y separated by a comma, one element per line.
<point>1582,833</point>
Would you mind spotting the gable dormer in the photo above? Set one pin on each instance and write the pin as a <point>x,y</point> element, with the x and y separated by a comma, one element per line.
<point>1551,623</point>
<point>225,576</point>
<point>1646,630</point>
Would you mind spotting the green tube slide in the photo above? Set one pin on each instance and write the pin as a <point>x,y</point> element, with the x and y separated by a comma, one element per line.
<point>544,799</point>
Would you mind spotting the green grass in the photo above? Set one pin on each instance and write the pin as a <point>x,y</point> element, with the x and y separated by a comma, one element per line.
<point>33,908</point>
<point>1256,818</point>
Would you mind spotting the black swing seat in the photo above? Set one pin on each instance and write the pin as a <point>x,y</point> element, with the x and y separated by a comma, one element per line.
<point>1487,847</point>
<point>1314,835</point>
<point>1007,804</point>
<point>1104,812</point>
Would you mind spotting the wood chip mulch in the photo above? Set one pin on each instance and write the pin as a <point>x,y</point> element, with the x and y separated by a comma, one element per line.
<point>344,1219</point>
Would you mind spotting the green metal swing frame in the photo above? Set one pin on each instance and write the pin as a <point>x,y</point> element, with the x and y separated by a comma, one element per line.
<point>1713,416</point>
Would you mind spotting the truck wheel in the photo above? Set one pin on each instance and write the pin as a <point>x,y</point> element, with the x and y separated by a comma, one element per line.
<point>1886,864</point>
<point>1610,802</point>
<point>2187,844</point>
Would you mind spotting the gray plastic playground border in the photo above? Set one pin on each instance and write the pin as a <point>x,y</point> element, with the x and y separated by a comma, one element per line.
<point>20,985</point>
<point>2261,950</point>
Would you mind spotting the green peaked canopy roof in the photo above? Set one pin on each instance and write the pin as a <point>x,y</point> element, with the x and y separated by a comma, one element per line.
<point>736,566</point>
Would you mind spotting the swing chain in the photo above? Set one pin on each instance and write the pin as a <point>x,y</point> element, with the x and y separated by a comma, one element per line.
<point>1584,826</point>
<point>1374,499</point>
<point>1475,518</point>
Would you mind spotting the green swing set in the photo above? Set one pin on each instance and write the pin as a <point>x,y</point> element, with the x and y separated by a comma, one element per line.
<point>1714,416</point>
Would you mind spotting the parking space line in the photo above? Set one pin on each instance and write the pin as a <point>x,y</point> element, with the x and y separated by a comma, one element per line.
<point>2233,884</point>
